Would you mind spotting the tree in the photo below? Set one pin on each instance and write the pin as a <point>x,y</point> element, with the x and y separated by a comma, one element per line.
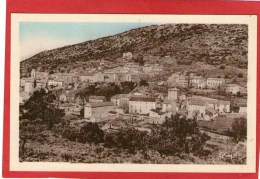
<point>57,93</point>
<point>41,105</point>
<point>82,96</point>
<point>143,83</point>
<point>92,133</point>
<point>82,112</point>
<point>222,67</point>
<point>127,86</point>
<point>240,75</point>
<point>239,129</point>
<point>128,138</point>
<point>178,135</point>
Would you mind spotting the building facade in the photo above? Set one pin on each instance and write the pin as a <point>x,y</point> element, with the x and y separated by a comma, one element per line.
<point>121,100</point>
<point>141,105</point>
<point>95,110</point>
<point>230,89</point>
<point>215,83</point>
<point>97,99</point>
<point>173,94</point>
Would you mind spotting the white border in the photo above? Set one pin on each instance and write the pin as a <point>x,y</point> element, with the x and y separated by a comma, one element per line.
<point>250,20</point>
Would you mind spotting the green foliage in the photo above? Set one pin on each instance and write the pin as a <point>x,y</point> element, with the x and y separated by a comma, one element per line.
<point>239,128</point>
<point>41,105</point>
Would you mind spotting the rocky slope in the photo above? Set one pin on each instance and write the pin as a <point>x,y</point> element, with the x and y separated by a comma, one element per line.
<point>212,44</point>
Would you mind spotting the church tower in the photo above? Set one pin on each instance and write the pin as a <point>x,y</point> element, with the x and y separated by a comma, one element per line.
<point>33,73</point>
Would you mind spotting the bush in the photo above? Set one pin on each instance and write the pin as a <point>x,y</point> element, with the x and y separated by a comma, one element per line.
<point>143,83</point>
<point>90,133</point>
<point>240,75</point>
<point>239,129</point>
<point>222,67</point>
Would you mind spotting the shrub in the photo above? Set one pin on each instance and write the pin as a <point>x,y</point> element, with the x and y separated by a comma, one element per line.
<point>239,129</point>
<point>240,75</point>
<point>222,67</point>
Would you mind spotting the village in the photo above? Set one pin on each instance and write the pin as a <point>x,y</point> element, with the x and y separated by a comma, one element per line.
<point>190,95</point>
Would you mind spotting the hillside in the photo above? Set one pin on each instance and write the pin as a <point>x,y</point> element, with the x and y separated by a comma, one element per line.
<point>212,44</point>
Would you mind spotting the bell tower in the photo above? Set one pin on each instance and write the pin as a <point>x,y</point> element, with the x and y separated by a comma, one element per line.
<point>33,73</point>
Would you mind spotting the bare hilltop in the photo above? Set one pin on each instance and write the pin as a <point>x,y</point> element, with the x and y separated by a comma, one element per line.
<point>210,44</point>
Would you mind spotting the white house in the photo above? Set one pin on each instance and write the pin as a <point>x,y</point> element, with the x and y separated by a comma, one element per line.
<point>211,113</point>
<point>128,55</point>
<point>121,100</point>
<point>23,97</point>
<point>215,83</point>
<point>219,105</point>
<point>97,99</point>
<point>243,109</point>
<point>141,104</point>
<point>29,86</point>
<point>197,108</point>
<point>100,109</point>
<point>88,77</point>
<point>55,83</point>
<point>170,106</point>
<point>230,88</point>
<point>197,81</point>
<point>67,107</point>
<point>173,94</point>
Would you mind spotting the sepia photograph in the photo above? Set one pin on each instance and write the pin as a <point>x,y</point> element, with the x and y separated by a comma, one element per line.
<point>140,91</point>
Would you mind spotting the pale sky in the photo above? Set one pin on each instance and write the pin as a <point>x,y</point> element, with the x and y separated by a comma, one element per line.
<point>35,37</point>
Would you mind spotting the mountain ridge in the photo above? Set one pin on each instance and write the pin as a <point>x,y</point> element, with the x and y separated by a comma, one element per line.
<point>212,44</point>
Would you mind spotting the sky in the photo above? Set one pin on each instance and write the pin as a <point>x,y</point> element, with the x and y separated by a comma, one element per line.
<point>35,37</point>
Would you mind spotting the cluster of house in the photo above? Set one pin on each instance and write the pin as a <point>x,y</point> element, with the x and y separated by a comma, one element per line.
<point>199,82</point>
<point>129,72</point>
<point>203,108</point>
<point>154,107</point>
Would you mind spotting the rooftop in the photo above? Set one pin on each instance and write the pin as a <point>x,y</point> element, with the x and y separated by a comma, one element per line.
<point>174,89</point>
<point>209,100</point>
<point>99,104</point>
<point>121,96</point>
<point>230,85</point>
<point>66,105</point>
<point>86,74</point>
<point>197,102</point>
<point>212,110</point>
<point>216,79</point>
<point>142,98</point>
<point>97,97</point>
